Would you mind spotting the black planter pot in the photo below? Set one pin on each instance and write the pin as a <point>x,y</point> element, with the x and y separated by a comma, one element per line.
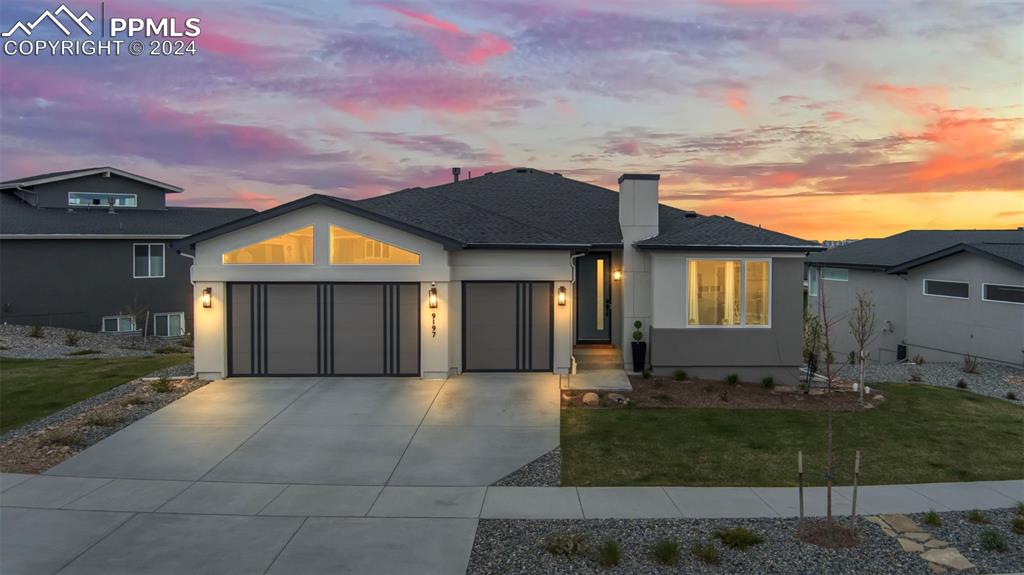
<point>639,355</point>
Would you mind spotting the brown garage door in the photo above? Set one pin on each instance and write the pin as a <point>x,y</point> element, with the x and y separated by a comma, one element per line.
<point>507,326</point>
<point>294,329</point>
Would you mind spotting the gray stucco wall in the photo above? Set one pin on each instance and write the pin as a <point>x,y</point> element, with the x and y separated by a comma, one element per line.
<point>55,195</point>
<point>943,329</point>
<point>74,283</point>
<point>887,291</point>
<point>751,353</point>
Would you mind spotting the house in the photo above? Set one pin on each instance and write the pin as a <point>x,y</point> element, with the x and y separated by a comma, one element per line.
<point>940,294</point>
<point>89,249</point>
<point>505,272</point>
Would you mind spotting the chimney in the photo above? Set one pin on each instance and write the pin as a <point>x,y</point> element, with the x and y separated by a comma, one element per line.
<point>638,204</point>
<point>638,220</point>
<point>455,174</point>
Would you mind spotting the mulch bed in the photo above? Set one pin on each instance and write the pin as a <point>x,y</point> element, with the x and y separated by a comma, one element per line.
<point>42,449</point>
<point>667,392</point>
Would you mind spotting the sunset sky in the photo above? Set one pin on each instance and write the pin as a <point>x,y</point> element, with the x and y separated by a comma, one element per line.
<point>825,120</point>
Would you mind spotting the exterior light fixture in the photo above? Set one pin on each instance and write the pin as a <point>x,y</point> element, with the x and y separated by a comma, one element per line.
<point>561,295</point>
<point>617,275</point>
<point>432,296</point>
<point>207,297</point>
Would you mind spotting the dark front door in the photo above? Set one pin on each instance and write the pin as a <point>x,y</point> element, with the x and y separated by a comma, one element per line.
<point>594,298</point>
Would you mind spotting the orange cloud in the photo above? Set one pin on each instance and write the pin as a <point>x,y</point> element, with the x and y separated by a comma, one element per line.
<point>778,179</point>
<point>736,98</point>
<point>455,44</point>
<point>964,144</point>
<point>917,100</point>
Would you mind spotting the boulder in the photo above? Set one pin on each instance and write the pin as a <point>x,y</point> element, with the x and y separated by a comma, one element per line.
<point>590,398</point>
<point>617,398</point>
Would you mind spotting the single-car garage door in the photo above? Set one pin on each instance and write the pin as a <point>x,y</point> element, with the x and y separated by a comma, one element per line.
<point>507,326</point>
<point>323,329</point>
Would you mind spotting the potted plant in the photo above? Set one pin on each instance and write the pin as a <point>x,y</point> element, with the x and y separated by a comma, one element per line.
<point>639,347</point>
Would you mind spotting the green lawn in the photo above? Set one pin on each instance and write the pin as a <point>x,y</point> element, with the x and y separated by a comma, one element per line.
<point>33,388</point>
<point>919,434</point>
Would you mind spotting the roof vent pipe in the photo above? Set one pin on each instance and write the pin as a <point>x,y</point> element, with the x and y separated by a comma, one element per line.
<point>455,174</point>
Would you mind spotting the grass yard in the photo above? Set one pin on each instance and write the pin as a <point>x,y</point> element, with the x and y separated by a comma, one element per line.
<point>33,388</point>
<point>920,434</point>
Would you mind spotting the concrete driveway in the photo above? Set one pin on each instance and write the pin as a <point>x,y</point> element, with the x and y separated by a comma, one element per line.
<point>285,475</point>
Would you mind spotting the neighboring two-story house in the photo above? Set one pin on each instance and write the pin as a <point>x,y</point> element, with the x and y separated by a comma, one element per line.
<point>940,294</point>
<point>89,249</point>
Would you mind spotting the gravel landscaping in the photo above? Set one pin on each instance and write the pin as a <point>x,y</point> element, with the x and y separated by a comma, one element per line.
<point>16,342</point>
<point>516,546</point>
<point>966,537</point>
<point>40,445</point>
<point>992,380</point>
<point>545,471</point>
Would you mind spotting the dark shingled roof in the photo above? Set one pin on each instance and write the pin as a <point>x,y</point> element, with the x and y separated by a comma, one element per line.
<point>20,218</point>
<point>915,247</point>
<point>72,174</point>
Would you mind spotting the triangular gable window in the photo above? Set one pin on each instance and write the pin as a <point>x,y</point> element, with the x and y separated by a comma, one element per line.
<point>292,248</point>
<point>350,248</point>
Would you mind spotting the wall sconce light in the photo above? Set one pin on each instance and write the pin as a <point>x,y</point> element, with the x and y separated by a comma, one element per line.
<point>432,296</point>
<point>561,295</point>
<point>617,275</point>
<point>207,298</point>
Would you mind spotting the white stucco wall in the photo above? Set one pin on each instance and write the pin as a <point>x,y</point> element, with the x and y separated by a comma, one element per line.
<point>638,219</point>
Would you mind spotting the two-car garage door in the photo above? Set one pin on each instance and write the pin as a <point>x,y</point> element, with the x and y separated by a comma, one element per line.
<point>323,329</point>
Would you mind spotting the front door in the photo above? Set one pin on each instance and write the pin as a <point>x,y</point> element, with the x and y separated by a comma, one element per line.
<point>594,298</point>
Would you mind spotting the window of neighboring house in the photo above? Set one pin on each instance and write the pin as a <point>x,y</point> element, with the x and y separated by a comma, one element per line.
<point>149,260</point>
<point>169,324</point>
<point>812,282</point>
<point>351,248</point>
<point>729,293</point>
<point>292,248</point>
<point>835,274</point>
<point>102,199</point>
<point>1003,293</point>
<point>118,323</point>
<point>943,288</point>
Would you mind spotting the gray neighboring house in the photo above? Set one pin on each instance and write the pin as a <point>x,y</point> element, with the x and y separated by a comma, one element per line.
<point>941,294</point>
<point>518,270</point>
<point>83,249</point>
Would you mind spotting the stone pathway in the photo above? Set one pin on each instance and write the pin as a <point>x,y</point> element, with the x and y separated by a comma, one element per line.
<point>913,539</point>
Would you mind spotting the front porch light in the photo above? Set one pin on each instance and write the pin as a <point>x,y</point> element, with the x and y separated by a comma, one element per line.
<point>432,296</point>
<point>207,298</point>
<point>617,275</point>
<point>561,295</point>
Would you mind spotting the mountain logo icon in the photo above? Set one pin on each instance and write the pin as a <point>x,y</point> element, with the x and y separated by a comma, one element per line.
<point>27,28</point>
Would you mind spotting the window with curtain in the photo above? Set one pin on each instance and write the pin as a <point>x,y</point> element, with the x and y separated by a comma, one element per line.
<point>292,248</point>
<point>728,293</point>
<point>351,248</point>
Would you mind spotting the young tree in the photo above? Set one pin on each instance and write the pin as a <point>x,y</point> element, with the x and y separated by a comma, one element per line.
<point>862,328</point>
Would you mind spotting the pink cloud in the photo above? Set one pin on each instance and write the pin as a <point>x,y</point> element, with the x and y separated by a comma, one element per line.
<point>736,98</point>
<point>454,43</point>
<point>834,116</point>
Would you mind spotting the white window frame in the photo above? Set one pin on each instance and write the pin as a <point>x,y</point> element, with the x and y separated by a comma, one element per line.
<point>924,288</point>
<point>983,298</point>
<point>109,195</point>
<point>103,324</point>
<point>846,274</point>
<point>149,261</point>
<point>168,314</point>
<point>743,294</point>
<point>813,277</point>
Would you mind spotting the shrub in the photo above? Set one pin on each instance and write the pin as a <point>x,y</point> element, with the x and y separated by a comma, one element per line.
<point>679,375</point>
<point>566,544</point>
<point>853,358</point>
<point>168,349</point>
<point>647,374</point>
<point>932,518</point>
<point>919,359</point>
<point>707,553</point>
<point>71,338</point>
<point>609,554</point>
<point>738,537</point>
<point>162,385</point>
<point>35,331</point>
<point>724,395</point>
<point>732,378</point>
<point>65,437</point>
<point>977,517</point>
<point>666,552</point>
<point>83,352</point>
<point>1018,525</point>
<point>1011,396</point>
<point>768,382</point>
<point>638,335</point>
<point>187,340</point>
<point>915,375</point>
<point>1020,508</point>
<point>104,418</point>
<point>970,364</point>
<point>962,384</point>
<point>993,540</point>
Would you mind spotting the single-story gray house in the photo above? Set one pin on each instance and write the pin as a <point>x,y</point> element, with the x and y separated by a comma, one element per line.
<point>940,294</point>
<point>89,249</point>
<point>509,271</point>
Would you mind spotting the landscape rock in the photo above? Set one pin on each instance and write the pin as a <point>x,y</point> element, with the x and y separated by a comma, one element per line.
<point>910,546</point>
<point>947,557</point>
<point>901,523</point>
<point>590,398</point>
<point>935,543</point>
<point>617,398</point>
<point>919,537</point>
